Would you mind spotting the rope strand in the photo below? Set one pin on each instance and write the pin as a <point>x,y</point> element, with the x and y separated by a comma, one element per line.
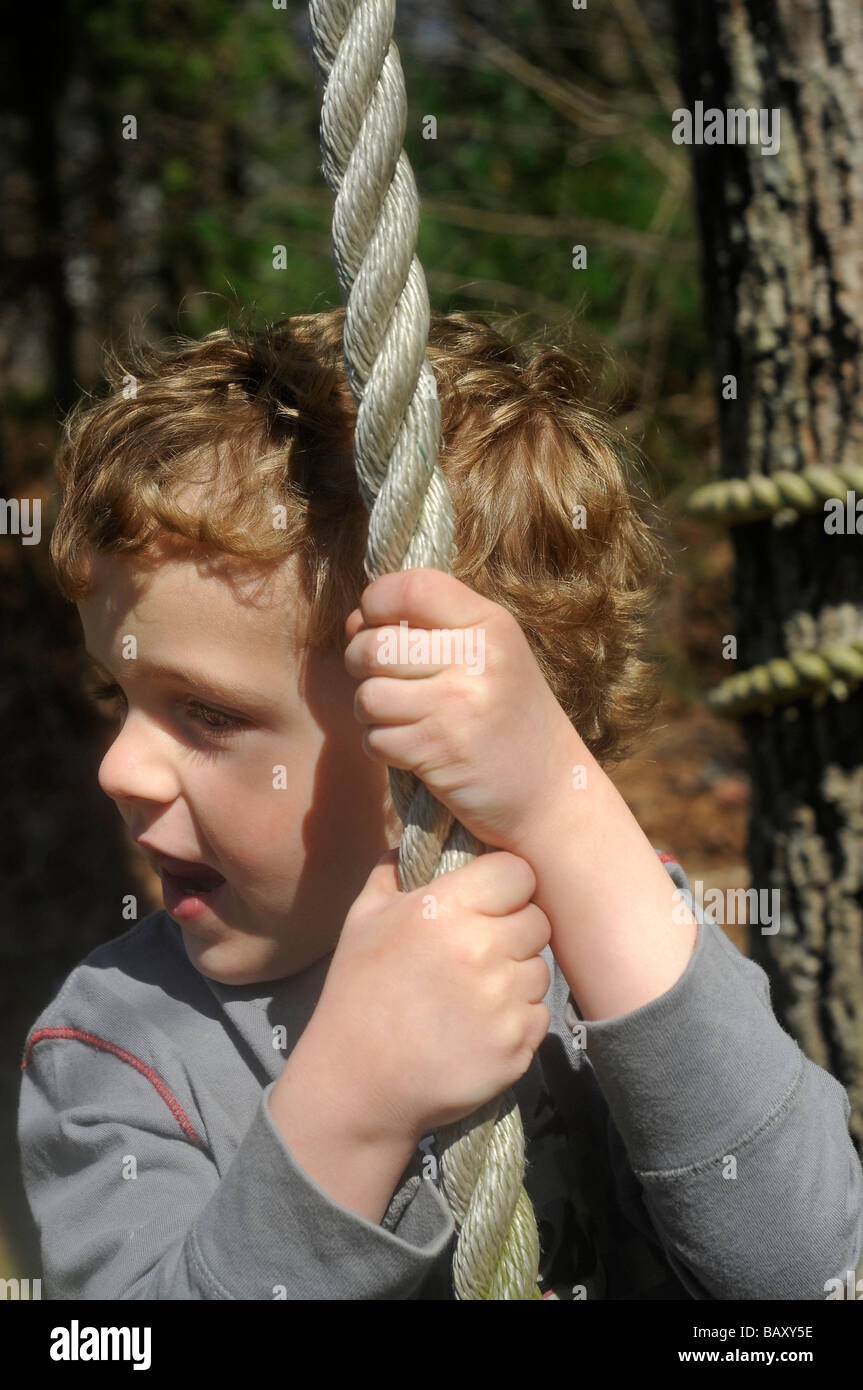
<point>411,525</point>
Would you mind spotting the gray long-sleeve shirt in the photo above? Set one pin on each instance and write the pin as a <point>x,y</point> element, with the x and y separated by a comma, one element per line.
<point>688,1149</point>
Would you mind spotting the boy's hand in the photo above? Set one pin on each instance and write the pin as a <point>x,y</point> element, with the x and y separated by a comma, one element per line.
<point>482,730</point>
<point>432,1003</point>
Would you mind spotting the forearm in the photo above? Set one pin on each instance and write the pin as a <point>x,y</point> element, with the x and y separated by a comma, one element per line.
<point>619,930</point>
<point>318,1112</point>
<point>738,1143</point>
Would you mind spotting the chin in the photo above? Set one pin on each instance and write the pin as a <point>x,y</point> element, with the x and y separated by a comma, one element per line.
<point>228,963</point>
<point>223,962</point>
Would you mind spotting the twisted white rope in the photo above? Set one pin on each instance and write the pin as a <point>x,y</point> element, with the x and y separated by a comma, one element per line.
<point>396,446</point>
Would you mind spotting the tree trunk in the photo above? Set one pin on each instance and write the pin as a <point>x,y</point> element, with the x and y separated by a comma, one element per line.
<point>783,274</point>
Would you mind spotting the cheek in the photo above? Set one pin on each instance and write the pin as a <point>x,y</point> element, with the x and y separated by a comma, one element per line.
<point>252,811</point>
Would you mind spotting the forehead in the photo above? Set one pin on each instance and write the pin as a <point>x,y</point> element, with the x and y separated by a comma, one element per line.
<point>184,594</point>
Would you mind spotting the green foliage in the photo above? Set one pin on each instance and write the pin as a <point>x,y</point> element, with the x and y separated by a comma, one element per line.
<point>227,104</point>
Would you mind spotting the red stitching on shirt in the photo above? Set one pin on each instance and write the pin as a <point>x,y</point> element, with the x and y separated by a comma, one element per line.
<point>170,1100</point>
<point>666,858</point>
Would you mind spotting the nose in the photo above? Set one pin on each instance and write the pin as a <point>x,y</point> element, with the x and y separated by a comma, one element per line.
<point>138,766</point>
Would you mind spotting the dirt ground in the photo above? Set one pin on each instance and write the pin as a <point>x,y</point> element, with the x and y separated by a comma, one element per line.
<point>690,795</point>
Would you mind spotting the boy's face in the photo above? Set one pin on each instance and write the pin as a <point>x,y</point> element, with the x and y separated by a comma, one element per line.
<point>284,804</point>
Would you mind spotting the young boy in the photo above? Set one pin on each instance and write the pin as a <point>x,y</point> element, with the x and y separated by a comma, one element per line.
<point>239,1098</point>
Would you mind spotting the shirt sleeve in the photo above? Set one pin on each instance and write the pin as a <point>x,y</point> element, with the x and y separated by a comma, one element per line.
<point>739,1142</point>
<point>129,1206</point>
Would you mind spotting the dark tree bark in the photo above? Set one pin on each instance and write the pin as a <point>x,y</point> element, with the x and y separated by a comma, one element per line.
<point>783,276</point>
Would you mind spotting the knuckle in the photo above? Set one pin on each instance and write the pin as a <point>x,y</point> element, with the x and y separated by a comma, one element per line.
<point>471,951</point>
<point>361,702</point>
<point>373,693</point>
<point>544,975</point>
<point>447,906</point>
<point>525,1059</point>
<point>461,696</point>
<point>543,925</point>
<point>366,660</point>
<point>532,938</point>
<point>512,1031</point>
<point>450,737</point>
<point>542,1020</point>
<point>414,588</point>
<point>372,742</point>
<point>451,687</point>
<point>519,874</point>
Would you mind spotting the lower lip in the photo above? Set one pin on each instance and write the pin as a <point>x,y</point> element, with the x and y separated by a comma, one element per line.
<point>181,903</point>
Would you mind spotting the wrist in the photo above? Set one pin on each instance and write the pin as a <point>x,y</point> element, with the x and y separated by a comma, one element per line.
<point>318,1079</point>
<point>617,930</point>
<point>341,1149</point>
<point>574,785</point>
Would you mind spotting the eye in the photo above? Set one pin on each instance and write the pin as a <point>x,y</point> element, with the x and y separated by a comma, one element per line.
<point>109,691</point>
<point>211,721</point>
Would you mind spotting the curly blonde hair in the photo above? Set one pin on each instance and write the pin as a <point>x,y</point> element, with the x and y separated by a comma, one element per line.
<point>269,418</point>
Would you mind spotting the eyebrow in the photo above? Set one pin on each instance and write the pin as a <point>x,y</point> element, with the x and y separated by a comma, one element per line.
<point>200,681</point>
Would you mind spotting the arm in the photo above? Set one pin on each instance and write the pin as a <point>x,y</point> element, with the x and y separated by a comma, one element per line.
<point>181,1230</point>
<point>738,1142</point>
<point>314,1110</point>
<point>619,935</point>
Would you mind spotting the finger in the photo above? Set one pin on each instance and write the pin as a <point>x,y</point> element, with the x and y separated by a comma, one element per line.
<point>532,979</point>
<point>354,623</point>
<point>393,745</point>
<point>378,701</point>
<point>539,1025</point>
<point>529,932</point>
<point>413,653</point>
<point>425,598</point>
<point>522,937</point>
<point>497,884</point>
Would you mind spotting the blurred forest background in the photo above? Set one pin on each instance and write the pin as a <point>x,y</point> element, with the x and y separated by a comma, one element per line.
<point>553,128</point>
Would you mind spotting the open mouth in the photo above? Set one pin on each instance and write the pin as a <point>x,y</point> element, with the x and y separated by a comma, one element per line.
<point>189,900</point>
<point>188,889</point>
<point>190,885</point>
